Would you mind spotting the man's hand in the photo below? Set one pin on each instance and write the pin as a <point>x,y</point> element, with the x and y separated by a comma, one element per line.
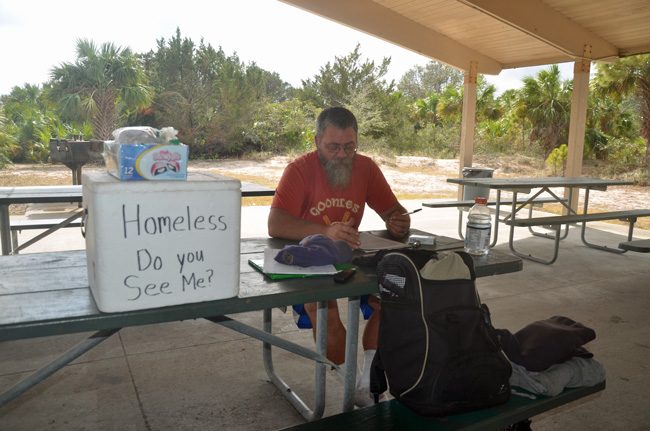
<point>345,232</point>
<point>398,224</point>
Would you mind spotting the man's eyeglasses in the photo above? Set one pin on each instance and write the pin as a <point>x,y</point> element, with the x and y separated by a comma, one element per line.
<point>348,148</point>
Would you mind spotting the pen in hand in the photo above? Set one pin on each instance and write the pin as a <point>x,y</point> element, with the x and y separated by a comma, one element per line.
<point>412,212</point>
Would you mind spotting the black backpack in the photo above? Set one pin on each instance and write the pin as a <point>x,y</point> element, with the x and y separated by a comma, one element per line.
<point>437,346</point>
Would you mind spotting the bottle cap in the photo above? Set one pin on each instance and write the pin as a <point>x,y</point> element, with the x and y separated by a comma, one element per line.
<point>480,200</point>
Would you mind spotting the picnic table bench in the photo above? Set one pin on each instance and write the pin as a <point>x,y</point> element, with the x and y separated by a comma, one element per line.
<point>463,205</point>
<point>504,201</point>
<point>391,415</point>
<point>555,223</point>
<point>48,224</point>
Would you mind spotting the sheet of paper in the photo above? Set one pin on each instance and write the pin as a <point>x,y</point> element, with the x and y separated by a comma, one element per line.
<point>371,242</point>
<point>271,266</point>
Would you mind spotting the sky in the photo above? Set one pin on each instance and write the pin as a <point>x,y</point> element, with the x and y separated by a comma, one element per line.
<point>36,36</point>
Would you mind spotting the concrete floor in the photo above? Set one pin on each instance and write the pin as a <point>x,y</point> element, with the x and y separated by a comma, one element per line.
<point>196,375</point>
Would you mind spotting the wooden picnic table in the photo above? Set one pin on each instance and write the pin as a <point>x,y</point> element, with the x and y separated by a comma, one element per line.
<point>555,223</point>
<point>48,294</point>
<point>544,184</point>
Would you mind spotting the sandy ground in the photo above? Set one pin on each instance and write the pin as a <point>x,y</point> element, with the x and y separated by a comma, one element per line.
<point>410,177</point>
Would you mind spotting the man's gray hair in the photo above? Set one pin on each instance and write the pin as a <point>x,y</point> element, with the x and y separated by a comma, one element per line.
<point>336,116</point>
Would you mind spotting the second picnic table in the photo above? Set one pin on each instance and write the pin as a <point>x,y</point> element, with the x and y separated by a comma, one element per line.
<point>545,186</point>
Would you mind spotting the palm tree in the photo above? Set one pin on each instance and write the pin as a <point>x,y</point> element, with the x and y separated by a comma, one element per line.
<point>102,84</point>
<point>8,143</point>
<point>30,122</point>
<point>450,104</point>
<point>629,76</point>
<point>424,111</point>
<point>545,102</point>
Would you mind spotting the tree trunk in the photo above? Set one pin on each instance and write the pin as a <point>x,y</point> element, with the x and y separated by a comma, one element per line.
<point>105,120</point>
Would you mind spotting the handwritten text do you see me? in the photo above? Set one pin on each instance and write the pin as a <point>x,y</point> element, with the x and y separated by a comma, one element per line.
<point>159,269</point>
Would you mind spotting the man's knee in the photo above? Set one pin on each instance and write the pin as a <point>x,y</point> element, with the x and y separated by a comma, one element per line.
<point>311,307</point>
<point>332,307</point>
<point>334,323</point>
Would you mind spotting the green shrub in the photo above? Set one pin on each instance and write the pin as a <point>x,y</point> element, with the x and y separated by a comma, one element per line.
<point>283,127</point>
<point>557,159</point>
<point>625,155</point>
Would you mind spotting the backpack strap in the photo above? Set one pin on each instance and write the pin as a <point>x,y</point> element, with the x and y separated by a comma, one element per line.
<point>378,383</point>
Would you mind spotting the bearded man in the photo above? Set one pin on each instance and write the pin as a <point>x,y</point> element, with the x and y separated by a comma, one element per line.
<point>325,192</point>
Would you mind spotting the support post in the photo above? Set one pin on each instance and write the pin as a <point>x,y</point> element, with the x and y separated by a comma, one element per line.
<point>577,124</point>
<point>468,121</point>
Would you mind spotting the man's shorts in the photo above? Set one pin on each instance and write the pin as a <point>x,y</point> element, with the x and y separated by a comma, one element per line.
<point>303,321</point>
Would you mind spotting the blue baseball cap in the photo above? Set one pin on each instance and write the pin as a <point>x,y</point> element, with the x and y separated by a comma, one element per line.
<point>315,250</point>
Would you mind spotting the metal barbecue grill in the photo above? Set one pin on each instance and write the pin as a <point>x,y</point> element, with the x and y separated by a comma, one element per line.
<point>74,154</point>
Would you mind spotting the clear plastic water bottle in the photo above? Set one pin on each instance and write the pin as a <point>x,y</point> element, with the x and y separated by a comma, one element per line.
<point>479,228</point>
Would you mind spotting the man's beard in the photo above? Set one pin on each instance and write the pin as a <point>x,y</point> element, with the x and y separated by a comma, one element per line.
<point>338,171</point>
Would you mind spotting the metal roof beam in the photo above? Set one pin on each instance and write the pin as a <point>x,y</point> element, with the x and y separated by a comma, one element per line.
<point>538,20</point>
<point>381,22</point>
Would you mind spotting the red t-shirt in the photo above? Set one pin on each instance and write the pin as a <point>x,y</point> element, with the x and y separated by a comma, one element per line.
<point>305,193</point>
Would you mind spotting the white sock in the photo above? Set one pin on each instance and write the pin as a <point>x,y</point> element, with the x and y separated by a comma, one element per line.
<point>363,380</point>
